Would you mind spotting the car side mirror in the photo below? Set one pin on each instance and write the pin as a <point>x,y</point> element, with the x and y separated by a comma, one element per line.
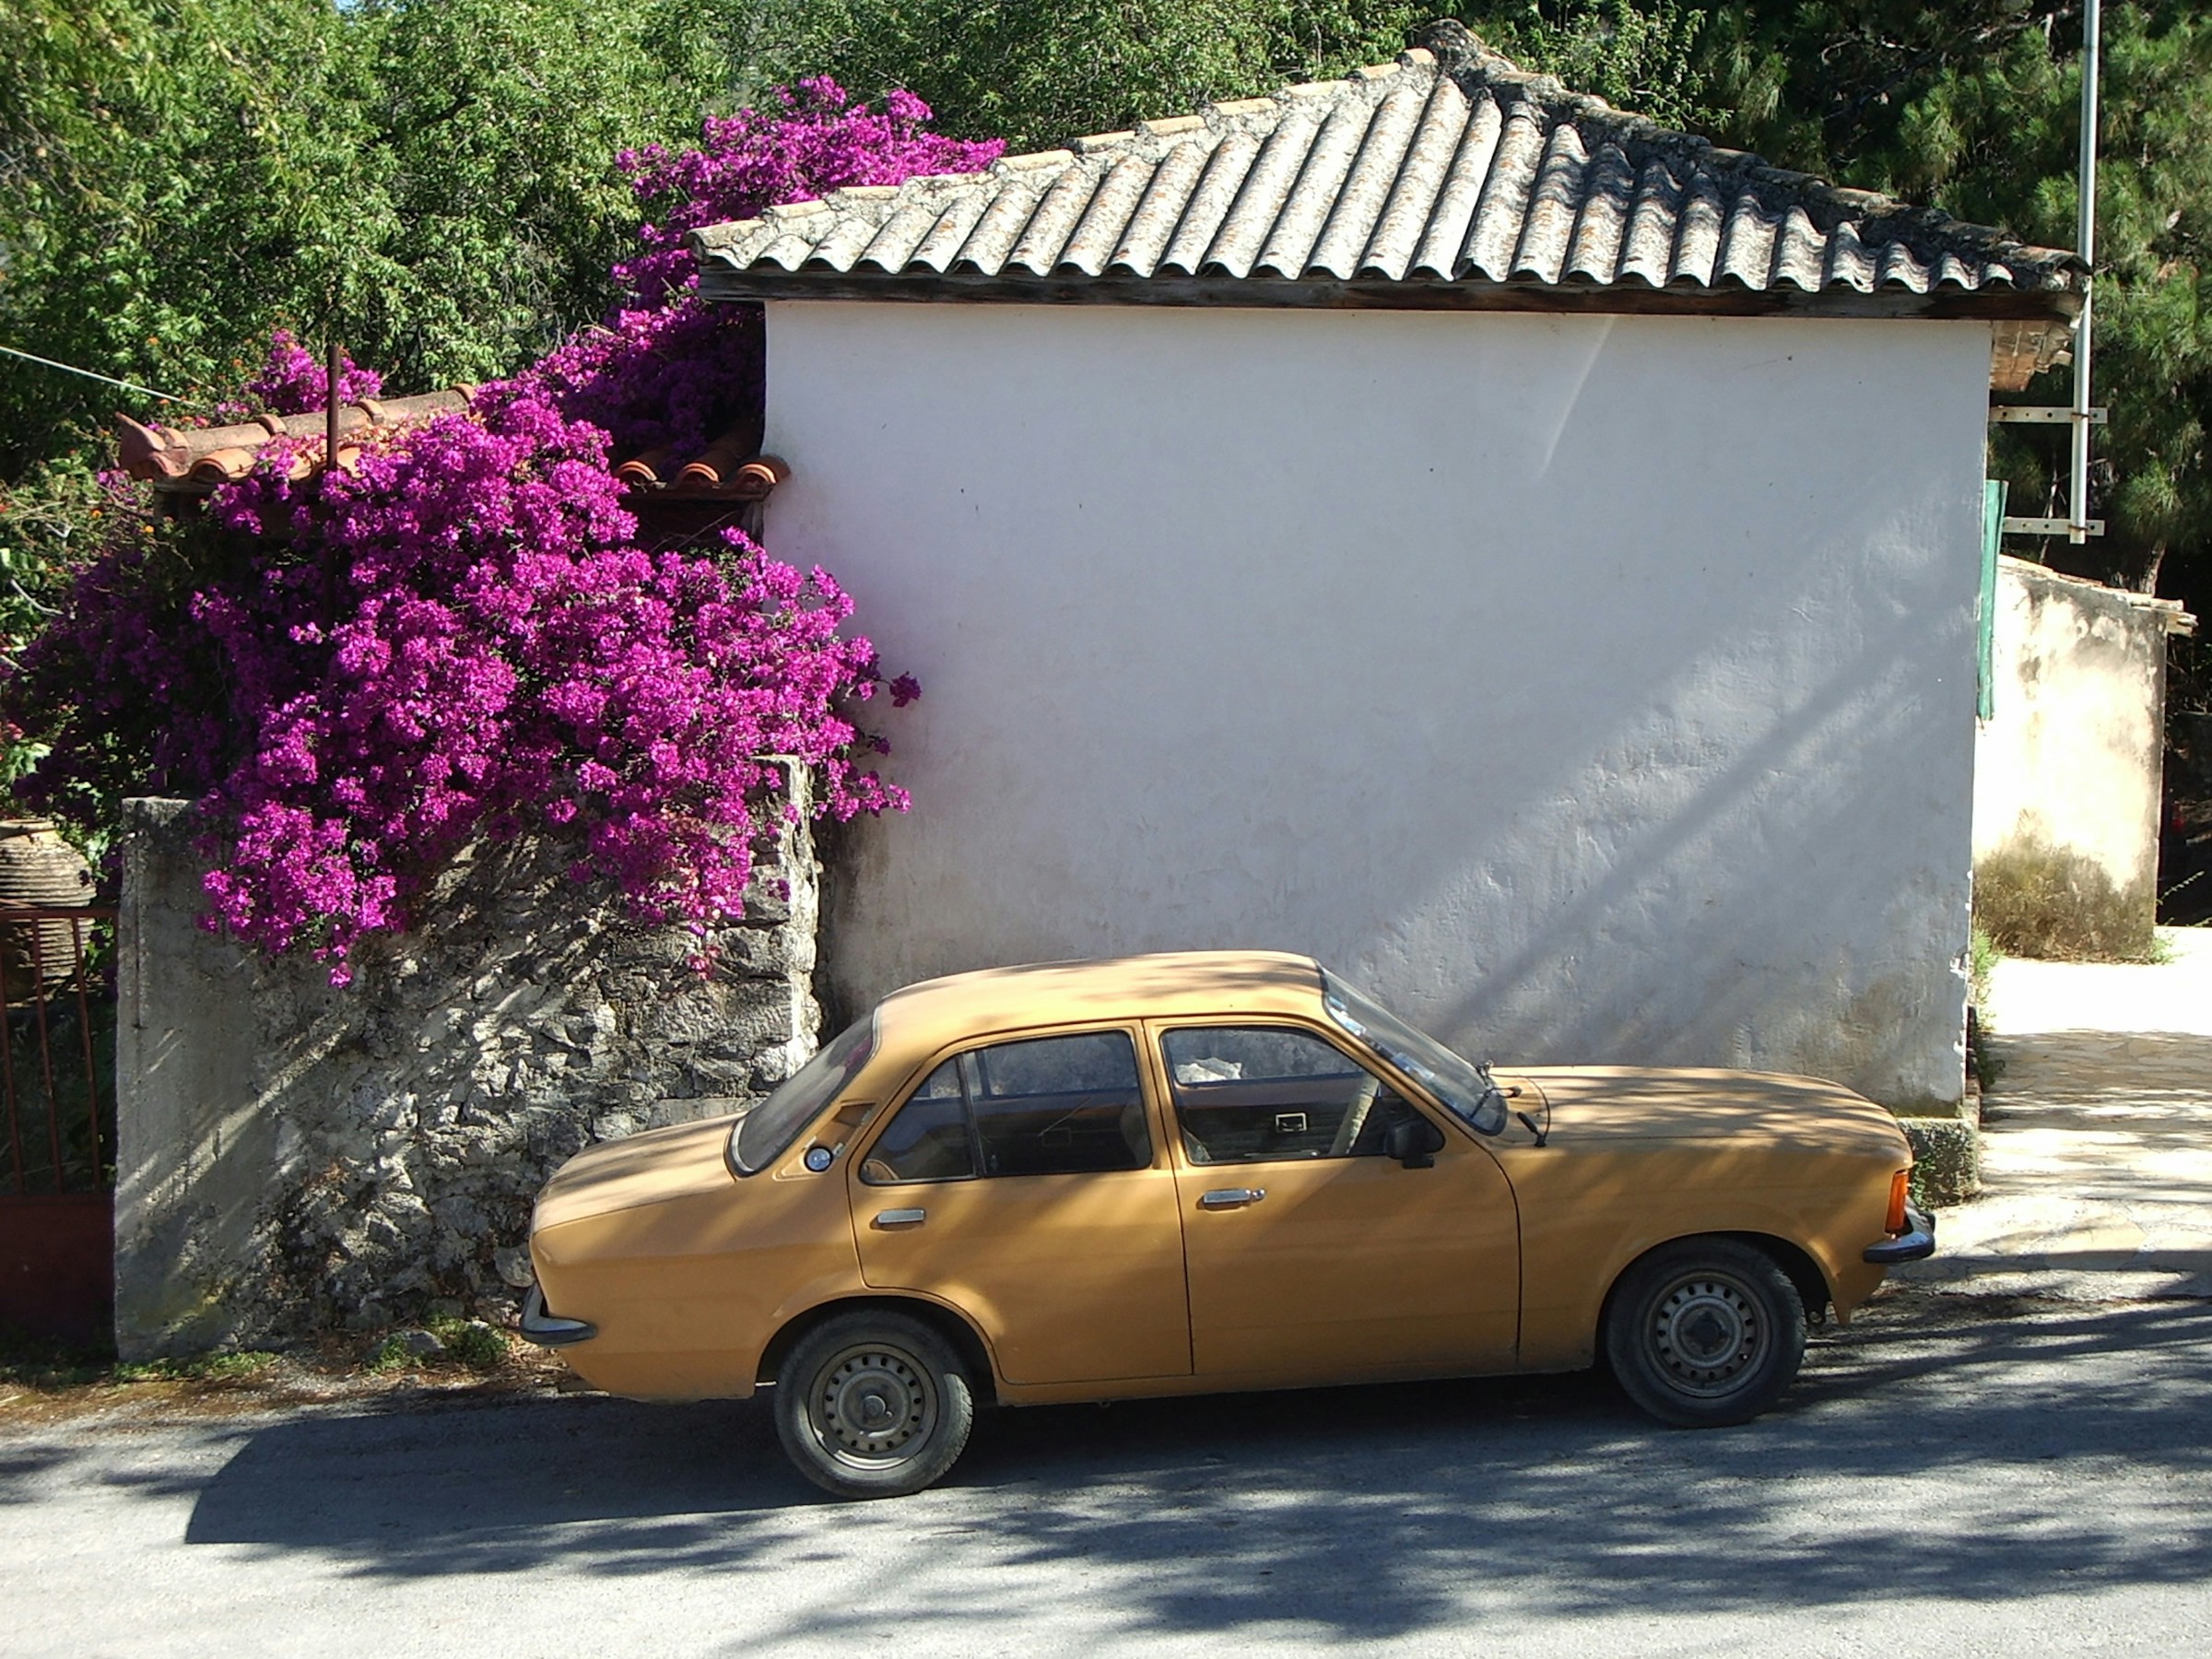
<point>1414,1142</point>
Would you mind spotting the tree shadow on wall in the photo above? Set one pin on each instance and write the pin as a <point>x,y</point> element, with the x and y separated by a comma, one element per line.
<point>1352,1513</point>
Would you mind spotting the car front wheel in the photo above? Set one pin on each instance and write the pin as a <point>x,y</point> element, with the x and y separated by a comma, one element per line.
<point>873,1404</point>
<point>1705,1331</point>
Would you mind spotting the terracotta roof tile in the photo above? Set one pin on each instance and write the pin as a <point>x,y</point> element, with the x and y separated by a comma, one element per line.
<point>193,461</point>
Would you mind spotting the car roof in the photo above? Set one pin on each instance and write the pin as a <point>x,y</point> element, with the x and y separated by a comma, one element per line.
<point>944,1010</point>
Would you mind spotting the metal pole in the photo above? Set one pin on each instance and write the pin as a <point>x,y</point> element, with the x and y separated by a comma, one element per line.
<point>2078,494</point>
<point>334,357</point>
<point>333,361</point>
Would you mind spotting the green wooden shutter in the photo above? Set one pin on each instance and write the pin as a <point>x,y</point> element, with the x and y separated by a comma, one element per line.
<point>1985,613</point>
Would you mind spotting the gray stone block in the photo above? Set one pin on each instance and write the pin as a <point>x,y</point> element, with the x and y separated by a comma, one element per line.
<point>1947,1159</point>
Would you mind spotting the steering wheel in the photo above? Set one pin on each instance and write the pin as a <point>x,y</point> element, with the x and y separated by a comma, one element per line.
<point>1355,1116</point>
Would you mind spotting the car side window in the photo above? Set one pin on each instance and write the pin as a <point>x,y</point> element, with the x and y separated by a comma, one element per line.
<point>1258,1094</point>
<point>1044,1106</point>
<point>929,1140</point>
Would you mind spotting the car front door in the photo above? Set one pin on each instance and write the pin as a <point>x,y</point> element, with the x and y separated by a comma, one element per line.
<point>1023,1183</point>
<point>1312,1254</point>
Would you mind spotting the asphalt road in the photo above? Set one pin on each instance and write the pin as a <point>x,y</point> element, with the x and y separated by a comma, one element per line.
<point>1950,1478</point>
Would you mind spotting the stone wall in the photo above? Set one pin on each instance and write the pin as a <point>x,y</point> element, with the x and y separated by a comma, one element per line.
<point>2067,768</point>
<point>294,1158</point>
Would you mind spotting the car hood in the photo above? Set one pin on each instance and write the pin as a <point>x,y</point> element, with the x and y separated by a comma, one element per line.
<point>652,1167</point>
<point>1612,1103</point>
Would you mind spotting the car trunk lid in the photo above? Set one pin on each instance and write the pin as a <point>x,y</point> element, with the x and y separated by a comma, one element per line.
<point>639,1169</point>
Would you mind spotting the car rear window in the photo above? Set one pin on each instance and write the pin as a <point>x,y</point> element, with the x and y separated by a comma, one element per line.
<point>1067,1105</point>
<point>765,1133</point>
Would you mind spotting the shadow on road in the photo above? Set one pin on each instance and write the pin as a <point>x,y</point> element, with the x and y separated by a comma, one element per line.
<point>1357,1513</point>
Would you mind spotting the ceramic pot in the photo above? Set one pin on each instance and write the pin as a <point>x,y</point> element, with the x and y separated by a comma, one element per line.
<point>39,870</point>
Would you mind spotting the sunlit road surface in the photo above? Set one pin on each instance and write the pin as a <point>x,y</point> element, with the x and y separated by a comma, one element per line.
<point>1954,1476</point>
<point>2097,1135</point>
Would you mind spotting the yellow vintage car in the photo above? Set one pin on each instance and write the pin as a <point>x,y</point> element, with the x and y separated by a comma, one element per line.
<point>1198,1173</point>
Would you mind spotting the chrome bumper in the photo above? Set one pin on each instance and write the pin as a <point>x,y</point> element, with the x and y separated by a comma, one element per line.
<point>1916,1245</point>
<point>549,1330</point>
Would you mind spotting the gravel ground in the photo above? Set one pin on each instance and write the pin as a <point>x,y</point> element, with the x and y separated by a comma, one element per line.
<point>1955,1474</point>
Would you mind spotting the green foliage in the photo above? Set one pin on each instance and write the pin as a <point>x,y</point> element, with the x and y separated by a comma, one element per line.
<point>390,1354</point>
<point>170,177</point>
<point>1636,54</point>
<point>466,1343</point>
<point>434,181</point>
<point>492,128</point>
<point>47,525</point>
<point>1982,959</point>
<point>49,1363</point>
<point>202,1368</point>
<point>472,1343</point>
<point>1038,72</point>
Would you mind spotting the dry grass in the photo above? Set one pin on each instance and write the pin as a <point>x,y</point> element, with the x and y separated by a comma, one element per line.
<point>2035,900</point>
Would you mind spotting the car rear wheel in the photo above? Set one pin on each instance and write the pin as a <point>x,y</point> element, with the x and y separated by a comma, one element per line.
<point>1705,1331</point>
<point>873,1404</point>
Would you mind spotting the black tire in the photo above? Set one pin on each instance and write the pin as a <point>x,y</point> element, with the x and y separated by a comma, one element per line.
<point>1705,1331</point>
<point>873,1404</point>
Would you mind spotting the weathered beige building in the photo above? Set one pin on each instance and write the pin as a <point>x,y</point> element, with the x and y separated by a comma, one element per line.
<point>2066,767</point>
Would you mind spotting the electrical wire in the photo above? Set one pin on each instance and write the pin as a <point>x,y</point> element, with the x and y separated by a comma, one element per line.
<point>32,357</point>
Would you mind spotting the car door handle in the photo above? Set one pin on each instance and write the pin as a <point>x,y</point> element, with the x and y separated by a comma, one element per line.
<point>906,1217</point>
<point>1231,1197</point>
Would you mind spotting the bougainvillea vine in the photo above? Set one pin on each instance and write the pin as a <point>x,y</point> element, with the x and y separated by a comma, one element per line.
<point>359,671</point>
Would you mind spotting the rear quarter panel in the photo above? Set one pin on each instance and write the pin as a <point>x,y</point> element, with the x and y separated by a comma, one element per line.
<point>686,1291</point>
<point>1588,1213</point>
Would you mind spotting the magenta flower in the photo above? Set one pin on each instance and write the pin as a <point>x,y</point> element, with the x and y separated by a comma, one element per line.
<point>461,638</point>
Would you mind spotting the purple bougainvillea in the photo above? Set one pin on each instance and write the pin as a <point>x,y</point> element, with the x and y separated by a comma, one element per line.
<point>663,367</point>
<point>812,139</point>
<point>293,381</point>
<point>360,671</point>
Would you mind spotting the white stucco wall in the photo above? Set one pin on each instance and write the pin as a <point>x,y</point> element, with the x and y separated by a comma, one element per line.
<point>2071,755</point>
<point>1593,689</point>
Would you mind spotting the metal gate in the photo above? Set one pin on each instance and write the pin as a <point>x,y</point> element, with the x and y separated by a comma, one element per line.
<point>57,1149</point>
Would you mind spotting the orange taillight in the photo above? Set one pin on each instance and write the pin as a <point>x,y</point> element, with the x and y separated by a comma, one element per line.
<point>1900,1185</point>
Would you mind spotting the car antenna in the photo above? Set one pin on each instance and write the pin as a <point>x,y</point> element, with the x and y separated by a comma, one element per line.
<point>1530,1125</point>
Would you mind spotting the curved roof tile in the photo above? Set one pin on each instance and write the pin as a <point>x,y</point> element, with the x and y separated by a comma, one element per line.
<point>1448,172</point>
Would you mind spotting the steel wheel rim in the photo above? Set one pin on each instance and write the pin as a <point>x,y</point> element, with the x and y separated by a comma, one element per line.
<point>1707,1333</point>
<point>872,1406</point>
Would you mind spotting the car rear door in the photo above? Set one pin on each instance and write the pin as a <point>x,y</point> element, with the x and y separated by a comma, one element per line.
<point>1025,1183</point>
<point>1311,1255</point>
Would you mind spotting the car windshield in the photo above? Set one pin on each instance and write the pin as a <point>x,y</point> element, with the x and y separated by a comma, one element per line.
<point>768,1128</point>
<point>1462,1085</point>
